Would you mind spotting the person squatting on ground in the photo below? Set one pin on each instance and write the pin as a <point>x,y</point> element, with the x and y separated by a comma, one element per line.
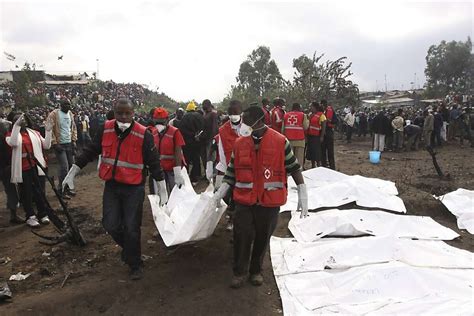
<point>169,141</point>
<point>225,139</point>
<point>64,141</point>
<point>316,133</point>
<point>327,145</point>
<point>126,148</point>
<point>257,172</point>
<point>27,147</point>
<point>295,123</point>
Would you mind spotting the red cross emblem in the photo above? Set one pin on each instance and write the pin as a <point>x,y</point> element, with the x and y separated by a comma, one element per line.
<point>267,173</point>
<point>292,119</point>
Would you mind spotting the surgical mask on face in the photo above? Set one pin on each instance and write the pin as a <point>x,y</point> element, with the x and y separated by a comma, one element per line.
<point>160,127</point>
<point>123,126</point>
<point>246,130</point>
<point>234,118</point>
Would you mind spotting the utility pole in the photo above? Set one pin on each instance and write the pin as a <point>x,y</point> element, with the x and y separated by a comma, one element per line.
<point>376,85</point>
<point>97,71</point>
<point>385,82</point>
<point>414,82</point>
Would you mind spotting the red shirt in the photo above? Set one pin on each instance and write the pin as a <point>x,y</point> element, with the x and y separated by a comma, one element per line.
<point>26,147</point>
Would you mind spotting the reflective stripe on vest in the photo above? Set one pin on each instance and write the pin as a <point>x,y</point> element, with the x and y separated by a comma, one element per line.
<point>271,185</point>
<point>125,164</point>
<point>166,156</point>
<point>315,125</point>
<point>244,185</point>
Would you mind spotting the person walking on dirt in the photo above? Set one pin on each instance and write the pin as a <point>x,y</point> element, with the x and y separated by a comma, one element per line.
<point>428,127</point>
<point>327,145</point>
<point>168,141</point>
<point>261,160</point>
<point>295,123</point>
<point>64,141</point>
<point>126,148</point>
<point>27,147</point>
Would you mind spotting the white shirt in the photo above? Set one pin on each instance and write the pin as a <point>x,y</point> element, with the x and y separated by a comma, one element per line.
<point>349,119</point>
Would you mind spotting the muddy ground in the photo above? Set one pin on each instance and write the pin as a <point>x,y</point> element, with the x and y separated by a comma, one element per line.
<point>194,278</point>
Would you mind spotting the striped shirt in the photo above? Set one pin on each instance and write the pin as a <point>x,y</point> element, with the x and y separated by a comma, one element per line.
<point>291,164</point>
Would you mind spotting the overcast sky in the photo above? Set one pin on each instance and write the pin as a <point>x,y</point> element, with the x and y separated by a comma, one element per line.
<point>192,50</point>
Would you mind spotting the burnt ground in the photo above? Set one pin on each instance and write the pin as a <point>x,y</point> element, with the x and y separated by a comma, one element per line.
<point>192,278</point>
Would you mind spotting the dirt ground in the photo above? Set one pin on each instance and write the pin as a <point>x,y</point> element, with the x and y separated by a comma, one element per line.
<point>194,278</point>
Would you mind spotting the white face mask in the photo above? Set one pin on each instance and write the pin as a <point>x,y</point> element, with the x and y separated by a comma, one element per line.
<point>234,118</point>
<point>160,127</point>
<point>123,126</point>
<point>246,130</point>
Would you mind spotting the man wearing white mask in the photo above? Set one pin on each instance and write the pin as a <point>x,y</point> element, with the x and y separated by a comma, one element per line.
<point>169,141</point>
<point>126,148</point>
<point>225,139</point>
<point>257,172</point>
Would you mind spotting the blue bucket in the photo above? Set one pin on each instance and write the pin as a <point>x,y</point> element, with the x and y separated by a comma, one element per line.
<point>374,156</point>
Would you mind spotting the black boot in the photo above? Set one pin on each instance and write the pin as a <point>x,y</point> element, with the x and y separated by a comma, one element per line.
<point>15,219</point>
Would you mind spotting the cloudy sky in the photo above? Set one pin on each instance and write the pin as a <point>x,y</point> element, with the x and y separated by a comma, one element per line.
<point>193,49</point>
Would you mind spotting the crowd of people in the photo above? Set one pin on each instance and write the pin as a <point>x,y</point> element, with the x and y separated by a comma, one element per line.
<point>247,153</point>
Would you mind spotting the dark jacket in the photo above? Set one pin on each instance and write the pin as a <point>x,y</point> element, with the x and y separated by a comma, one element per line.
<point>191,125</point>
<point>151,157</point>
<point>381,124</point>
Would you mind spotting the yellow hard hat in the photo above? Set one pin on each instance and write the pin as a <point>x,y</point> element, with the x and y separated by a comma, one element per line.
<point>191,106</point>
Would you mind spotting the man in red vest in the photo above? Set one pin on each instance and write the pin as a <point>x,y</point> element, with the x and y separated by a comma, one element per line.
<point>169,141</point>
<point>327,145</point>
<point>228,134</point>
<point>316,133</point>
<point>258,168</point>
<point>126,147</point>
<point>266,111</point>
<point>295,123</point>
<point>277,114</point>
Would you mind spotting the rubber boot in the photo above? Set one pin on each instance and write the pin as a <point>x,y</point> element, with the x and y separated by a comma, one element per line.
<point>15,219</point>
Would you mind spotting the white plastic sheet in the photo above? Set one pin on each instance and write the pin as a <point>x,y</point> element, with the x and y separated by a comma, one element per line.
<point>360,222</point>
<point>343,253</point>
<point>461,204</point>
<point>187,216</point>
<point>392,287</point>
<point>329,188</point>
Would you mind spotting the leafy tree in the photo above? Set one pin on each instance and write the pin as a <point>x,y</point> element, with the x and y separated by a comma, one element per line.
<point>449,67</point>
<point>258,75</point>
<point>23,84</point>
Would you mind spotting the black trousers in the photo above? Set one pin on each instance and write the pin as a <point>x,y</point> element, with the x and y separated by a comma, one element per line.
<point>192,154</point>
<point>328,149</point>
<point>32,190</point>
<point>10,190</point>
<point>122,218</point>
<point>253,227</point>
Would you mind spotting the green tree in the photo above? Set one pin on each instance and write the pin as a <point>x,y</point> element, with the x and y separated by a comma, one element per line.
<point>449,67</point>
<point>258,75</point>
<point>24,83</point>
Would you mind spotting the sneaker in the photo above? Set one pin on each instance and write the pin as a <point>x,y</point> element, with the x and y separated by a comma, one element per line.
<point>32,221</point>
<point>44,220</point>
<point>237,282</point>
<point>136,273</point>
<point>256,279</point>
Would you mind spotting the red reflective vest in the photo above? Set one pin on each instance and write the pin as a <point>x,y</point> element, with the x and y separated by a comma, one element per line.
<point>315,124</point>
<point>267,119</point>
<point>166,146</point>
<point>294,125</point>
<point>260,175</point>
<point>227,136</point>
<point>329,114</point>
<point>277,113</point>
<point>127,167</point>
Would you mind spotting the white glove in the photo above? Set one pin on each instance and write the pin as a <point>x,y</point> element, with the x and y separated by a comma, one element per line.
<point>69,179</point>
<point>302,200</point>
<point>160,189</point>
<point>219,194</point>
<point>218,182</point>
<point>178,176</point>
<point>209,170</point>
